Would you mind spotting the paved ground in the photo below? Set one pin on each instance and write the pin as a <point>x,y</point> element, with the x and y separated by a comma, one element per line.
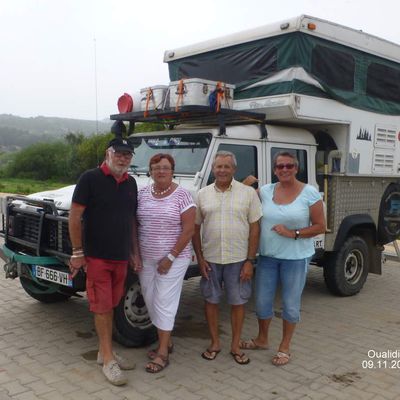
<point>44,350</point>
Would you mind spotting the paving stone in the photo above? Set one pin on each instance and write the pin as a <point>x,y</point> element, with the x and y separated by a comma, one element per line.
<point>4,395</point>
<point>27,396</point>
<point>39,387</point>
<point>14,387</point>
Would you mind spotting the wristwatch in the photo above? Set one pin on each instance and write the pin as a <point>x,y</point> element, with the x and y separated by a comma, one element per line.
<point>296,234</point>
<point>171,257</point>
<point>252,260</point>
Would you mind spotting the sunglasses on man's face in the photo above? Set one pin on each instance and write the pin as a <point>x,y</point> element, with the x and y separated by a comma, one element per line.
<point>287,166</point>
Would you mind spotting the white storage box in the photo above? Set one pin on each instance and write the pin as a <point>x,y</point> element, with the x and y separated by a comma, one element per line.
<point>154,98</point>
<point>196,92</point>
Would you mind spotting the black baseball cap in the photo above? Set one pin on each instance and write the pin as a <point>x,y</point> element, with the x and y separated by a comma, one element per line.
<point>120,144</point>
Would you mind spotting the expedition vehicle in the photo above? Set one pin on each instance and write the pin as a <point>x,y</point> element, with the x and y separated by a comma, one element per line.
<point>328,93</point>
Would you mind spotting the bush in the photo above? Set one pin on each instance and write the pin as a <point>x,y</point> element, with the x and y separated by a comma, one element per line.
<point>62,160</point>
<point>40,161</point>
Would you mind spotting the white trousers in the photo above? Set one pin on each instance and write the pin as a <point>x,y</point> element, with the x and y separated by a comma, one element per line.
<point>161,293</point>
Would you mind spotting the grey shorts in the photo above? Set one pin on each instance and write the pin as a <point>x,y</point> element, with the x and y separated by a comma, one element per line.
<point>225,277</point>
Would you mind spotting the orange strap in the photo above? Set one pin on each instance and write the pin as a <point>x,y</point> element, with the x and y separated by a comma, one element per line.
<point>149,96</point>
<point>220,95</point>
<point>180,91</point>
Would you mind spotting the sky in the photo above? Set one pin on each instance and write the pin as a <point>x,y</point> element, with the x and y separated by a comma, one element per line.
<point>74,58</point>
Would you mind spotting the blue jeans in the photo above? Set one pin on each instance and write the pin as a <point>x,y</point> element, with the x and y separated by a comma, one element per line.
<point>291,275</point>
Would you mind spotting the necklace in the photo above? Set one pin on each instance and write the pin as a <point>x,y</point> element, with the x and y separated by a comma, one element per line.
<point>160,192</point>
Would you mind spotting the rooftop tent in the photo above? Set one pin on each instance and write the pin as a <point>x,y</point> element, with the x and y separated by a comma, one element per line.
<point>299,63</point>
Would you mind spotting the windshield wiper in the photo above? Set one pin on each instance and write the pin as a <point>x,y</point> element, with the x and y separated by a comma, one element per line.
<point>133,168</point>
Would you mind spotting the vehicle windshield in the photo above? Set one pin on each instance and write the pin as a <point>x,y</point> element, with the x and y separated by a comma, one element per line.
<point>188,151</point>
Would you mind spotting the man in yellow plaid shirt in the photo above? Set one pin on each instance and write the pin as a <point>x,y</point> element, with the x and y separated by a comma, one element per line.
<point>226,249</point>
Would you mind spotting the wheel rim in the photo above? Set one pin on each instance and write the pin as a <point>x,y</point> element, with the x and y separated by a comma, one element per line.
<point>135,309</point>
<point>354,266</point>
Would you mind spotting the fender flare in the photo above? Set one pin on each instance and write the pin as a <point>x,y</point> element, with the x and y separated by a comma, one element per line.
<point>350,222</point>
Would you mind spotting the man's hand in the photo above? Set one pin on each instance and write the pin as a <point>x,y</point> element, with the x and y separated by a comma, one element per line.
<point>164,266</point>
<point>246,272</point>
<point>204,268</point>
<point>76,263</point>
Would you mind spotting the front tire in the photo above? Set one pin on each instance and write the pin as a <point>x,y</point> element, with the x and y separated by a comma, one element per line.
<point>132,324</point>
<point>346,271</point>
<point>42,293</point>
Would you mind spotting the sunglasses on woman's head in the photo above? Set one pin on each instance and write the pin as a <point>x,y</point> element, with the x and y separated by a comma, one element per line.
<point>287,166</point>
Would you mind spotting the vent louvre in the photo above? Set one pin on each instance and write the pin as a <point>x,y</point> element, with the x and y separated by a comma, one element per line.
<point>385,137</point>
<point>383,161</point>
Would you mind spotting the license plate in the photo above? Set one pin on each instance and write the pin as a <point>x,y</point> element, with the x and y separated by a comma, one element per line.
<point>52,275</point>
<point>319,242</point>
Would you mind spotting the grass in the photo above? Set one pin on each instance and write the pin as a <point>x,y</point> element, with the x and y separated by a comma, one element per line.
<point>28,186</point>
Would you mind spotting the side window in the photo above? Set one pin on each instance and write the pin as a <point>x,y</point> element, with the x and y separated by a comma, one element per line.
<point>246,157</point>
<point>334,67</point>
<point>383,82</point>
<point>301,156</point>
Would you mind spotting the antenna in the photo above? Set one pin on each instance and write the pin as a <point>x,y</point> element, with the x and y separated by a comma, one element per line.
<point>95,85</point>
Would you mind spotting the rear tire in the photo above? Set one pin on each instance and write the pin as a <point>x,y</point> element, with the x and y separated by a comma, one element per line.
<point>132,324</point>
<point>346,271</point>
<point>42,293</point>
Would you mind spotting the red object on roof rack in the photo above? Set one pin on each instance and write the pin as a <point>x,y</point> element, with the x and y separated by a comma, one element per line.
<point>125,103</point>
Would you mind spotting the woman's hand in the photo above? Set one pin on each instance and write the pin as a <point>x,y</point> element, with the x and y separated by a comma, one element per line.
<point>164,266</point>
<point>250,180</point>
<point>136,262</point>
<point>281,229</point>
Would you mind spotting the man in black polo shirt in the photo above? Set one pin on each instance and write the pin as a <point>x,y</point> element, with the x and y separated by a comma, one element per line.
<point>102,227</point>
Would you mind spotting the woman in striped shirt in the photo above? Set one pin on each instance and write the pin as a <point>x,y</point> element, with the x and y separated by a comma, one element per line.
<point>165,214</point>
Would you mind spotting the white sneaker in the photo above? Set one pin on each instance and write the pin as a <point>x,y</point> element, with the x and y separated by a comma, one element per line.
<point>113,373</point>
<point>122,362</point>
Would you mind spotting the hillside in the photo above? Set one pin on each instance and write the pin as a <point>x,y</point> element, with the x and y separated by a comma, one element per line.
<point>17,132</point>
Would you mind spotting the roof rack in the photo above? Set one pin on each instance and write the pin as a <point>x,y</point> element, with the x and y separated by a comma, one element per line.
<point>196,115</point>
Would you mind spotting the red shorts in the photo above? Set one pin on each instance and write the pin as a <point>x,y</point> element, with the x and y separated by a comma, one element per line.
<point>105,283</point>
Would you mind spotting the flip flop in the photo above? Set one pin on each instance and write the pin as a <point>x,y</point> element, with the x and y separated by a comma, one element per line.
<point>241,358</point>
<point>154,367</point>
<point>153,352</point>
<point>251,345</point>
<point>210,355</point>
<point>280,359</point>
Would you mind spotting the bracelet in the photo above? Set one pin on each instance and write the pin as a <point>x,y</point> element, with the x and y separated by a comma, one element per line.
<point>171,257</point>
<point>77,248</point>
<point>74,256</point>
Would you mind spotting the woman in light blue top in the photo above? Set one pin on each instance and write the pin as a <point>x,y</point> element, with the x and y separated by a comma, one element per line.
<point>292,215</point>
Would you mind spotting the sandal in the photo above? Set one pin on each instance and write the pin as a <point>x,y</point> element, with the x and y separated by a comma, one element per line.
<point>154,367</point>
<point>280,358</point>
<point>251,345</point>
<point>153,352</point>
<point>210,355</point>
<point>241,358</point>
